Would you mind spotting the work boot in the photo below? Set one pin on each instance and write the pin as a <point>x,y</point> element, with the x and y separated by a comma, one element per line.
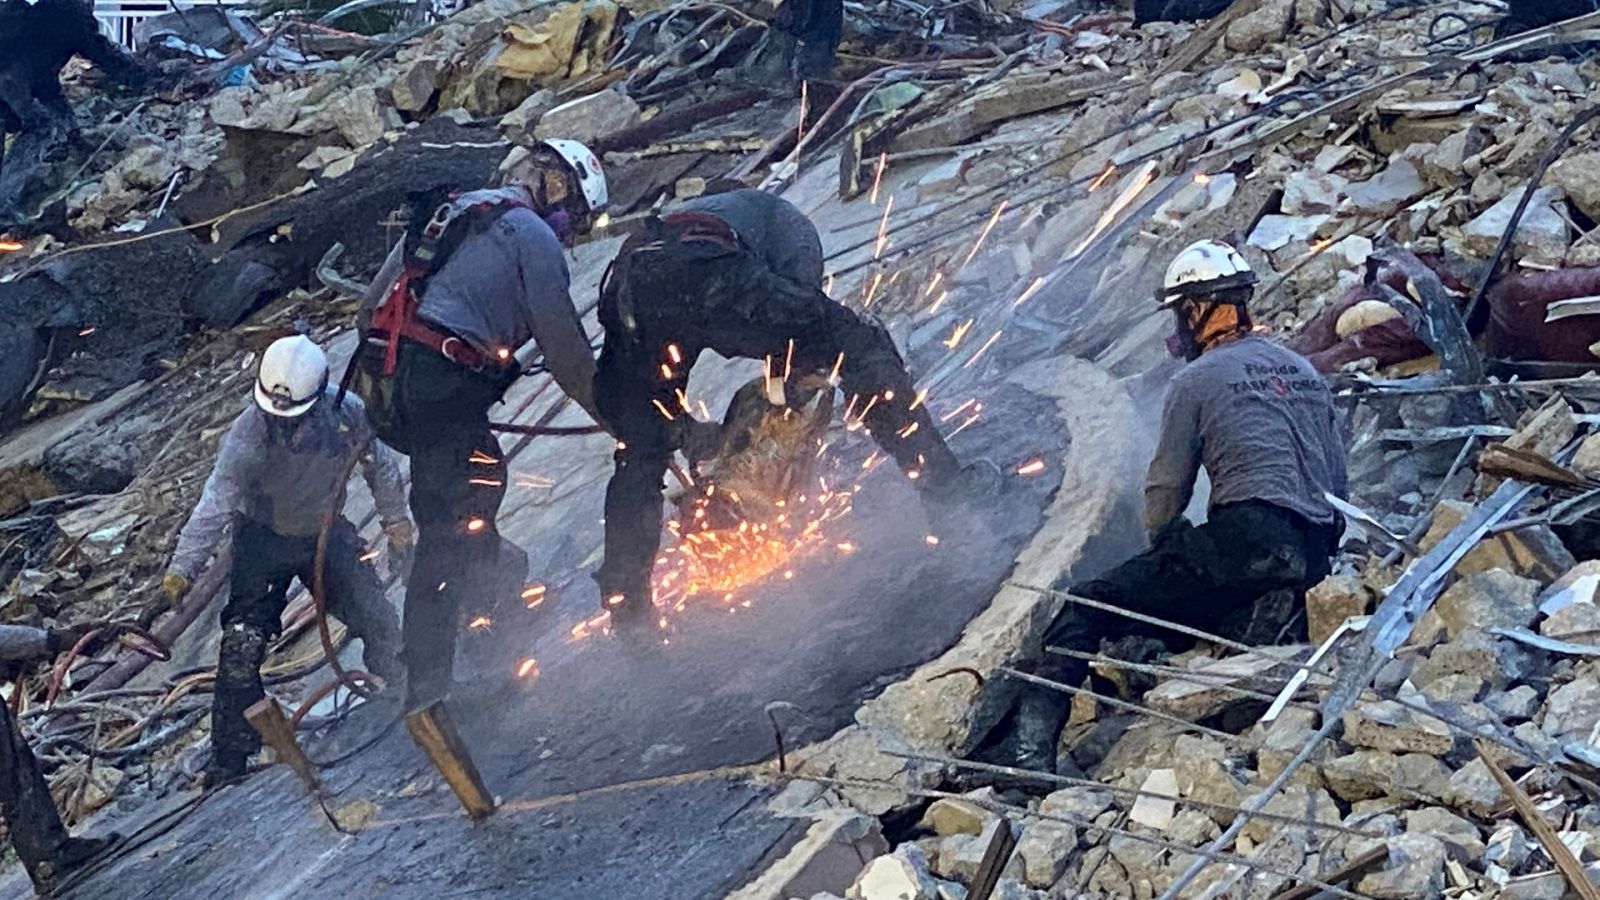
<point>71,861</point>
<point>1036,729</point>
<point>233,740</point>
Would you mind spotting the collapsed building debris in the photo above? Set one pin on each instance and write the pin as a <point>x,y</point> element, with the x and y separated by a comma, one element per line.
<point>1012,175</point>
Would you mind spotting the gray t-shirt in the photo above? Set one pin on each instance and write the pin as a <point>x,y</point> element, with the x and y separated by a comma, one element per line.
<point>509,284</point>
<point>772,228</point>
<point>288,484</point>
<point>1261,421</point>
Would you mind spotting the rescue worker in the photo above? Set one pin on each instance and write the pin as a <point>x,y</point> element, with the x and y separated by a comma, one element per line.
<point>484,275</point>
<point>815,27</point>
<point>29,812</point>
<point>37,38</point>
<point>281,465</point>
<point>739,273</point>
<point>1261,421</point>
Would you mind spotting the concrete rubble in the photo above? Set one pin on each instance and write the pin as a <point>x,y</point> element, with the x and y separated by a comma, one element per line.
<point>1088,117</point>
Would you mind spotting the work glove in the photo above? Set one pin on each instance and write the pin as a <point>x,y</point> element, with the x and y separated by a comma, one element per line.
<point>700,441</point>
<point>402,538</point>
<point>173,588</point>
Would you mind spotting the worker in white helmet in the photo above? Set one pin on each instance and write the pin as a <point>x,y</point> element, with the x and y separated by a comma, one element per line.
<point>479,285</point>
<point>1261,421</point>
<point>280,468</point>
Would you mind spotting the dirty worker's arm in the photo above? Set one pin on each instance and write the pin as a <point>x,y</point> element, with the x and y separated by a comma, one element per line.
<point>380,467</point>
<point>1170,484</point>
<point>19,643</point>
<point>219,501</point>
<point>557,329</point>
<point>107,56</point>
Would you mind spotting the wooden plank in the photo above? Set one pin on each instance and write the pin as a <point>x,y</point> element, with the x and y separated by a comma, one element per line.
<point>1357,866</point>
<point>1570,868</point>
<point>433,731</point>
<point>267,718</point>
<point>994,862</point>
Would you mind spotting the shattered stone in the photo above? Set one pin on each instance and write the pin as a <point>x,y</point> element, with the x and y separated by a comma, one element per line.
<point>1533,552</point>
<point>1515,705</point>
<point>1258,28</point>
<point>1214,688</point>
<point>591,117</point>
<point>1366,774</point>
<point>1485,600</point>
<point>1153,811</point>
<point>1415,868</point>
<point>1545,430</point>
<point>1079,803</point>
<point>1443,166</point>
<point>1143,861</point>
<point>1012,889</point>
<point>1550,885</point>
<point>902,875</point>
<point>1045,848</point>
<point>416,85</point>
<point>1202,772</point>
<point>1386,725</point>
<point>1497,661</point>
<point>1283,738</point>
<point>1387,192</point>
<point>1575,622</point>
<point>947,817</point>
<point>1472,788</point>
<point>1456,689</point>
<point>1572,710</point>
<point>961,855</point>
<point>1542,234</point>
<point>1333,600</point>
<point>1448,827</point>
<point>1579,176</point>
<point>1276,232</point>
<point>1311,193</point>
<point>1509,847</point>
<point>1297,801</point>
<point>520,123</point>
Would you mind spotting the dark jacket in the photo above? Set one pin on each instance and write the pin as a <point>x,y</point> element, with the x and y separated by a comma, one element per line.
<point>772,228</point>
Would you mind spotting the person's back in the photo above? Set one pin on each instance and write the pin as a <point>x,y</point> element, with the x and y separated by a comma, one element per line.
<point>1266,427</point>
<point>774,229</point>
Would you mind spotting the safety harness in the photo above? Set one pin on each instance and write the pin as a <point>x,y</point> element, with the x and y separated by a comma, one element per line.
<point>396,317</point>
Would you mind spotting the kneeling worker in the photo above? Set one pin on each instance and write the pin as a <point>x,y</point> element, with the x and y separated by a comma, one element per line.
<point>739,273</point>
<point>1261,421</point>
<point>281,465</point>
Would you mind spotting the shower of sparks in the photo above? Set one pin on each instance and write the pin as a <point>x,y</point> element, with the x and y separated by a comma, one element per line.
<point>666,372</point>
<point>883,228</point>
<point>805,103</point>
<point>983,235</point>
<point>1031,467</point>
<point>933,283</point>
<point>932,540</point>
<point>533,595</point>
<point>534,481</point>
<point>788,361</point>
<point>1110,170</point>
<point>10,246</point>
<point>877,178</point>
<point>662,408</point>
<point>1032,288</point>
<point>972,401</point>
<point>528,668</point>
<point>833,374</point>
<point>938,302</point>
<point>480,623</point>
<point>86,331</point>
<point>369,556</point>
<point>485,482</point>
<point>1202,178</point>
<point>956,336</point>
<point>481,458</point>
<point>674,354</point>
<point>475,525</point>
<point>982,350</point>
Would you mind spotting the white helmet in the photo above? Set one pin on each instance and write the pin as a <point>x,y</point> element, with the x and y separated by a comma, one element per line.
<point>584,164</point>
<point>292,377</point>
<point>1204,267</point>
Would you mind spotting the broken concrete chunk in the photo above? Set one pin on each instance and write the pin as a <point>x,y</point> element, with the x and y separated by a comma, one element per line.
<point>1484,600</point>
<point>1154,812</point>
<point>1542,234</point>
<point>416,85</point>
<point>1367,774</point>
<point>1587,460</point>
<point>1276,232</point>
<point>1515,705</point>
<point>1415,868</point>
<point>1448,827</point>
<point>1335,599</point>
<point>1214,687</point>
<point>1573,710</point>
<point>1386,725</point>
<point>1385,193</point>
<point>1575,622</point>
<point>1298,801</point>
<point>1311,193</point>
<point>1472,788</point>
<point>947,817</point>
<point>1045,848</point>
<point>1084,803</point>
<point>589,118</point>
<point>902,875</point>
<point>518,125</point>
<point>1456,688</point>
<point>1578,175</point>
<point>1545,430</point>
<point>1534,552</point>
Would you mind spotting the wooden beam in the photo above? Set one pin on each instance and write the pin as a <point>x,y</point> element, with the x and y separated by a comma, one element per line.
<point>1357,866</point>
<point>1570,867</point>
<point>433,731</point>
<point>267,718</point>
<point>995,857</point>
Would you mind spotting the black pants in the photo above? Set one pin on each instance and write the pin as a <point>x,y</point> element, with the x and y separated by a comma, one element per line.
<point>689,296</point>
<point>30,813</point>
<point>264,565</point>
<point>816,26</point>
<point>1212,577</point>
<point>437,413</point>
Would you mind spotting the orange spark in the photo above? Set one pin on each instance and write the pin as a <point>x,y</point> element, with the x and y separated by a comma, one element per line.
<point>1202,178</point>
<point>666,371</point>
<point>535,481</point>
<point>480,622</point>
<point>981,350</point>
<point>938,302</point>
<point>877,178</point>
<point>958,410</point>
<point>86,331</point>
<point>674,354</point>
<point>846,547</point>
<point>955,337</point>
<point>534,595</point>
<point>1111,169</point>
<point>976,245</point>
<point>1031,467</point>
<point>369,556</point>
<point>503,354</point>
<point>932,540</point>
<point>662,408</point>
<point>481,458</point>
<point>475,525</point>
<point>485,482</point>
<point>11,246</point>
<point>933,283</point>
<point>872,289</point>
<point>833,376</point>
<point>1032,288</point>
<point>788,361</point>
<point>528,668</point>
